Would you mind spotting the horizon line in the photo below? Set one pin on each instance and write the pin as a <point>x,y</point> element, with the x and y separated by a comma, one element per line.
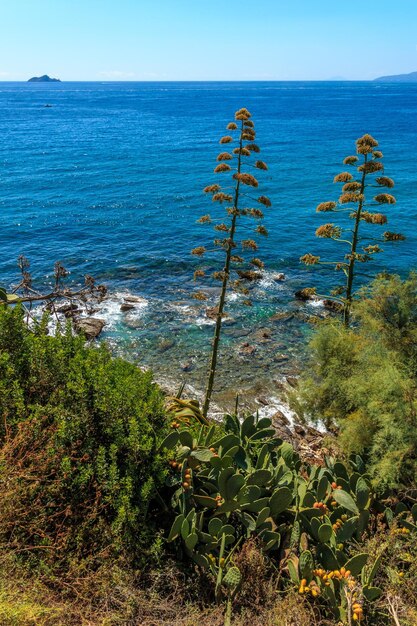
<point>202,80</point>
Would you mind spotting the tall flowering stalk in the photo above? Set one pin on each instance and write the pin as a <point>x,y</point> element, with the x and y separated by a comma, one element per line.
<point>355,200</point>
<point>237,267</point>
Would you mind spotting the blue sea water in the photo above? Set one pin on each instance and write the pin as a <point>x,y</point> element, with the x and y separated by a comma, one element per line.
<point>109,179</point>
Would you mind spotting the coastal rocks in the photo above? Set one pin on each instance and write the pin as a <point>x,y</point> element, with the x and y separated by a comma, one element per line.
<point>278,277</point>
<point>90,326</point>
<point>282,426</point>
<point>126,307</point>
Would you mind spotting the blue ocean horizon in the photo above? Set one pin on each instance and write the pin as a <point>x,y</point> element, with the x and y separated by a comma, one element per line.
<point>108,179</point>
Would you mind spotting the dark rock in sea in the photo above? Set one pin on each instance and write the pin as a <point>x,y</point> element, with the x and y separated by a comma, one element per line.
<point>43,79</point>
<point>187,367</point>
<point>249,275</point>
<point>332,305</point>
<point>308,293</point>
<point>47,106</point>
<point>263,335</point>
<point>126,307</point>
<point>279,277</point>
<point>90,326</point>
<point>246,349</point>
<point>66,308</point>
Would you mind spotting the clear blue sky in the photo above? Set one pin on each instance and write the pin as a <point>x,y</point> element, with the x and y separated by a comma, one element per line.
<point>207,39</point>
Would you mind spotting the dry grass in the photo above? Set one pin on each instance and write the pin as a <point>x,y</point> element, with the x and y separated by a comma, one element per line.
<point>115,595</point>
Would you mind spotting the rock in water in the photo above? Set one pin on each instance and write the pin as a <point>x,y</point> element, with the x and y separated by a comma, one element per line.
<point>43,79</point>
<point>134,299</point>
<point>90,326</point>
<point>246,349</point>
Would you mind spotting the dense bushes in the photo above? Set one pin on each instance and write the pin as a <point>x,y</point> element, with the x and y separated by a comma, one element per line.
<point>79,433</point>
<point>364,380</point>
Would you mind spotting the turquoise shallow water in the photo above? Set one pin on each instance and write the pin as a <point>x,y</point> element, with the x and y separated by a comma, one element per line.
<point>108,180</point>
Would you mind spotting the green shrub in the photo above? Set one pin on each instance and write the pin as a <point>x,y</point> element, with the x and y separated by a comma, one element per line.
<point>80,432</point>
<point>364,380</point>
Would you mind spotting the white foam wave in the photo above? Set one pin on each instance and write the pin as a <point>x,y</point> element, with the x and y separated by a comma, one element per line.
<point>109,309</point>
<point>276,404</point>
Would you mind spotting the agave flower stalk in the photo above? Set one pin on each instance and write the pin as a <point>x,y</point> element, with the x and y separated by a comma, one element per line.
<point>355,200</point>
<point>234,273</point>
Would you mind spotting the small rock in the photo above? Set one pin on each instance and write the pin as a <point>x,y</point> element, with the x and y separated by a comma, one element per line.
<point>211,313</point>
<point>279,416</point>
<point>127,307</point>
<point>263,335</point>
<point>165,344</point>
<point>263,400</point>
<point>239,332</point>
<point>332,305</point>
<point>281,358</point>
<point>299,430</point>
<point>292,381</point>
<point>187,367</point>
<point>280,276</point>
<point>280,423</point>
<point>134,299</point>
<point>246,349</point>
<point>90,326</point>
<point>282,316</point>
<point>306,294</point>
<point>65,308</point>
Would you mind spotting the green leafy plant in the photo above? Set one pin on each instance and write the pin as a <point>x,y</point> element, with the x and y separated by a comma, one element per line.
<point>354,200</point>
<point>234,273</point>
<point>248,483</point>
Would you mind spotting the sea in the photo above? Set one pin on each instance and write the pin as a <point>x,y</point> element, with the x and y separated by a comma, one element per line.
<point>107,178</point>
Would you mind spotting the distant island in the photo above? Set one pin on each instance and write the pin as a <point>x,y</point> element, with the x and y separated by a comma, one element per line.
<point>43,79</point>
<point>398,78</point>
